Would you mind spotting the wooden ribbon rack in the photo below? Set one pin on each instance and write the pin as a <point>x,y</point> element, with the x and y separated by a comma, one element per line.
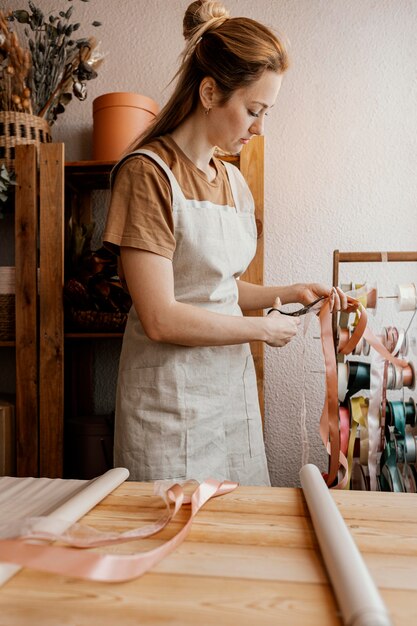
<point>378,433</point>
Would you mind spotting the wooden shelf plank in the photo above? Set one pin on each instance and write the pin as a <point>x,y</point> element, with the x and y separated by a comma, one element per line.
<point>93,335</point>
<point>252,167</point>
<point>26,312</point>
<point>51,328</point>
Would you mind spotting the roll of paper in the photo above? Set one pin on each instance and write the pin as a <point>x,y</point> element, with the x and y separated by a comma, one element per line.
<point>357,595</point>
<point>82,497</point>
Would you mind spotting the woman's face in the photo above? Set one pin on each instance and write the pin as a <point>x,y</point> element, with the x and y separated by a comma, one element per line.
<point>233,124</point>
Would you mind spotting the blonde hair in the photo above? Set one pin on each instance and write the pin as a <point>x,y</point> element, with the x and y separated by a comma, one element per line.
<point>233,51</point>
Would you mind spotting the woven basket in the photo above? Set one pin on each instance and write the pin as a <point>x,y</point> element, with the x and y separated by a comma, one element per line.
<point>7,316</point>
<point>20,129</point>
<point>97,321</point>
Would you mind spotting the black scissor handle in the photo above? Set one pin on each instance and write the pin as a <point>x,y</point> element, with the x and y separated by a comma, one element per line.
<point>305,309</point>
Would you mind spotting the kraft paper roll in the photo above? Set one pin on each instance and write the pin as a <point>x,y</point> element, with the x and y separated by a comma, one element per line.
<point>357,595</point>
<point>407,297</point>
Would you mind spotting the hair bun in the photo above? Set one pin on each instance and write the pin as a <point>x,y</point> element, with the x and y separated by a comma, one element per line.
<point>200,12</point>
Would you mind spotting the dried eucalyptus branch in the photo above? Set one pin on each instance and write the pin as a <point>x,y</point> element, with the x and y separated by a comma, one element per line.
<point>43,78</point>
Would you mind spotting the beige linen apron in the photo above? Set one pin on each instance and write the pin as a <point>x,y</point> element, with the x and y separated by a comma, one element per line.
<point>193,412</point>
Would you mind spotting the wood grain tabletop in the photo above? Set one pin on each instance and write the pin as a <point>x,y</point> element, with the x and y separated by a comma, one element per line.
<point>251,559</point>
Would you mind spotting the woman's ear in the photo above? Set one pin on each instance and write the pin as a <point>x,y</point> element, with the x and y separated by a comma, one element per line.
<point>208,92</point>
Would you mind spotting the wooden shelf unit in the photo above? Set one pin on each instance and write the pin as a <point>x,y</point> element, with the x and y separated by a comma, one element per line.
<point>40,215</point>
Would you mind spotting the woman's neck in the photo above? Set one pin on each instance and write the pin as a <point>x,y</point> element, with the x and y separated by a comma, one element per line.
<point>190,137</point>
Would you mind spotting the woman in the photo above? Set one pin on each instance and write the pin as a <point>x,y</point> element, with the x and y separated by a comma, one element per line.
<point>183,222</point>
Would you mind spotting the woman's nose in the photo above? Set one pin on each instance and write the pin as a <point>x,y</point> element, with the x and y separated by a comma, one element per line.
<point>257,128</point>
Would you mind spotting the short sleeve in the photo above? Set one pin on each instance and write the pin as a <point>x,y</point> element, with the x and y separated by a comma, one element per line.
<point>140,211</point>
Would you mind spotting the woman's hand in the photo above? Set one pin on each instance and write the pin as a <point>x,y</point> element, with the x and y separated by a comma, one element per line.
<point>280,328</point>
<point>311,291</point>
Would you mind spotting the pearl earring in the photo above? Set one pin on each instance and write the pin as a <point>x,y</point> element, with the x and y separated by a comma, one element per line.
<point>207,111</point>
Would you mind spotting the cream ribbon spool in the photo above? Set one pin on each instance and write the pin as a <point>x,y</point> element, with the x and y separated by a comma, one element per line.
<point>398,378</point>
<point>410,448</point>
<point>407,297</point>
<point>342,380</point>
<point>391,376</point>
<point>400,342</point>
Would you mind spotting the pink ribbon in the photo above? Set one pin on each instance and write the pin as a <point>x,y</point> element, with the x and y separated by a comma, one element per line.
<point>110,567</point>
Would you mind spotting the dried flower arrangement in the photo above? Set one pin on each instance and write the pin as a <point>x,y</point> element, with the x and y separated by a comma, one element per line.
<point>42,78</point>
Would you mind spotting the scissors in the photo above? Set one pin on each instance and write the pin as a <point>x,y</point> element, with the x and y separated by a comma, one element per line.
<point>302,311</point>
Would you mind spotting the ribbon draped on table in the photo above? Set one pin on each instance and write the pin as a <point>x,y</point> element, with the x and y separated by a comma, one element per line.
<point>71,561</point>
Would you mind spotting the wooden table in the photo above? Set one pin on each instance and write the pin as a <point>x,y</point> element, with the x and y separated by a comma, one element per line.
<point>251,559</point>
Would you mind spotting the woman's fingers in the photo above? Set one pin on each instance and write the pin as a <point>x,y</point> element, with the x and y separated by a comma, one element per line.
<point>277,303</point>
<point>342,298</point>
<point>281,328</point>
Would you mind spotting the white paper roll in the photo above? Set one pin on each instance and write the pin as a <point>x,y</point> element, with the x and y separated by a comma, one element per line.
<point>86,495</point>
<point>357,595</point>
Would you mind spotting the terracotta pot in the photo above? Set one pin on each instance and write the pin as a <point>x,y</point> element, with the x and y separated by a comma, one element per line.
<point>118,118</point>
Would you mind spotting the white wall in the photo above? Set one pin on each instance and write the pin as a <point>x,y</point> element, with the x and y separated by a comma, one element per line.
<point>341,152</point>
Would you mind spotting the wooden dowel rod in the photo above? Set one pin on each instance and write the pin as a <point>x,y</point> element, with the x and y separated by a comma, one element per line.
<point>376,257</point>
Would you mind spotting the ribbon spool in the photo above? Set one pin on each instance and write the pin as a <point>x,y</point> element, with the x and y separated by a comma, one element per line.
<point>395,340</point>
<point>407,297</point>
<point>359,376</point>
<point>390,477</point>
<point>404,411</point>
<point>360,481</point>
<point>396,416</point>
<point>410,412</point>
<point>342,380</point>
<point>410,478</point>
<point>391,381</point>
<point>410,448</point>
<point>399,377</point>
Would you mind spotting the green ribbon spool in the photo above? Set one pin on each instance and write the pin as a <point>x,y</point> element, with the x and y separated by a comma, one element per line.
<point>397,414</point>
<point>359,377</point>
<point>390,477</point>
<point>410,412</point>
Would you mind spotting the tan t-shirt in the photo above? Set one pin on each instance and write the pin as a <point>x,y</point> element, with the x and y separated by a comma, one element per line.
<point>140,212</point>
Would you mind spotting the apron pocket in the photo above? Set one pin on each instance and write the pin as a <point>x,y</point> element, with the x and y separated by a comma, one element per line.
<point>151,425</point>
<point>206,442</point>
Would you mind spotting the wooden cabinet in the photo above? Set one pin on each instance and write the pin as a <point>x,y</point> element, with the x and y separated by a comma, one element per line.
<point>41,340</point>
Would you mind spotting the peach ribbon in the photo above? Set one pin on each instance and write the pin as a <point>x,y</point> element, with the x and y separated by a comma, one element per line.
<point>329,421</point>
<point>110,567</point>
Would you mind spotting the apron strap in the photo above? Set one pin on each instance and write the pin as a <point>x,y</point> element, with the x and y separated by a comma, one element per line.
<point>242,195</point>
<point>231,175</point>
<point>175,188</point>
